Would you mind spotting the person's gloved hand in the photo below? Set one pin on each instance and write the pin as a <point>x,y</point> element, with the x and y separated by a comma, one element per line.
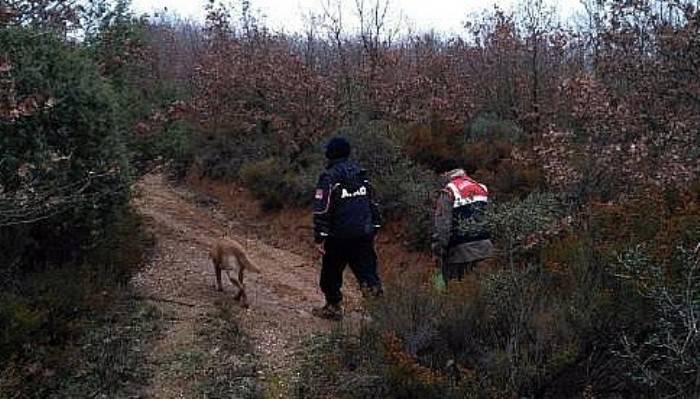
<point>320,247</point>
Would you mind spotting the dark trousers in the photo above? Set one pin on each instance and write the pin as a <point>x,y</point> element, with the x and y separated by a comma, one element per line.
<point>360,255</point>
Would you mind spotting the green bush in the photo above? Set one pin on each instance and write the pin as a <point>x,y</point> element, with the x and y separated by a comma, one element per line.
<point>222,154</point>
<point>501,334</point>
<point>665,358</point>
<point>521,223</point>
<point>108,357</point>
<point>175,144</point>
<point>490,126</point>
<point>41,310</point>
<point>69,241</point>
<point>298,185</point>
<point>64,167</point>
<point>264,180</point>
<point>277,185</point>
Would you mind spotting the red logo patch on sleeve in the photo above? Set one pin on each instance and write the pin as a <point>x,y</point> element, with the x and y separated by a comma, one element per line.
<point>319,194</point>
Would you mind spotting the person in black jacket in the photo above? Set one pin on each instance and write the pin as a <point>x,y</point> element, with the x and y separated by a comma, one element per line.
<point>346,219</point>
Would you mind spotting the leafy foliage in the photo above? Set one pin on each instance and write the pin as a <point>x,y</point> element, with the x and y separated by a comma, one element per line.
<point>63,150</point>
<point>666,359</point>
<point>68,239</point>
<point>521,224</point>
<point>43,310</point>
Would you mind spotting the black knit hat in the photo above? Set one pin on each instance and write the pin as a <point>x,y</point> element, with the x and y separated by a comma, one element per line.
<point>337,147</point>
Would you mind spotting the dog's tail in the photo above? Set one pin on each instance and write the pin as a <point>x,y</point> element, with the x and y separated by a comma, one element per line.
<point>243,259</point>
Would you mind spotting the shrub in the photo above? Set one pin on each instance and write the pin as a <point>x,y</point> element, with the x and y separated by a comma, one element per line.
<point>299,185</point>
<point>263,179</point>
<point>108,358</point>
<point>486,154</point>
<point>221,154</point>
<point>175,144</point>
<point>490,126</point>
<point>67,237</point>
<point>520,224</point>
<point>428,144</point>
<point>40,311</point>
<point>492,337</point>
<point>327,372</point>
<point>64,169</point>
<point>384,160</point>
<point>496,163</point>
<point>488,151</point>
<point>149,96</point>
<point>665,358</point>
<point>277,185</point>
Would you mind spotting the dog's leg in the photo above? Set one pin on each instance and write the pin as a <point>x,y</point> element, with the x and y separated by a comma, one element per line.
<point>235,283</point>
<point>217,271</point>
<point>238,284</point>
<point>243,297</point>
<point>240,296</point>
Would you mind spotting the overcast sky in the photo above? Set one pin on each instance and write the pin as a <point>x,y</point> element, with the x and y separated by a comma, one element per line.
<point>446,16</point>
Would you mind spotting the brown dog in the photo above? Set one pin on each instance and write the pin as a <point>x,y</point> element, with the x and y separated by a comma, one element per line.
<point>221,253</point>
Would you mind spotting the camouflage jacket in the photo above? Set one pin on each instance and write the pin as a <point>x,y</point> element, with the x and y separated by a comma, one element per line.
<point>456,238</point>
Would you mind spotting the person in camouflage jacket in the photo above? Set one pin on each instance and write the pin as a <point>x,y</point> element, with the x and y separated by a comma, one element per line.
<point>460,237</point>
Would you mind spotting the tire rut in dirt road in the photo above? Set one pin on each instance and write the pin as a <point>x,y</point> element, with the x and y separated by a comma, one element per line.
<point>180,279</point>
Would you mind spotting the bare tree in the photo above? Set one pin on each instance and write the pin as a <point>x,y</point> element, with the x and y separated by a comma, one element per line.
<point>333,23</point>
<point>589,25</point>
<point>312,23</point>
<point>538,21</point>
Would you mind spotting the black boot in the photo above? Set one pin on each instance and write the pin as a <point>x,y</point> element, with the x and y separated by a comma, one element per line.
<point>329,312</point>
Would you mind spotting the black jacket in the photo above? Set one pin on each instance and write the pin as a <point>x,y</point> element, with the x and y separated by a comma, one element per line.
<point>344,203</point>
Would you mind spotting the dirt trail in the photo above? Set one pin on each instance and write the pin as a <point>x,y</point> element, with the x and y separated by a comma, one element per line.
<point>180,278</point>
